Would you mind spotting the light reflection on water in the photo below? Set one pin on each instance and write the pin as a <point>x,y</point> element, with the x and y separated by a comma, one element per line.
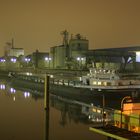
<point>23,117</point>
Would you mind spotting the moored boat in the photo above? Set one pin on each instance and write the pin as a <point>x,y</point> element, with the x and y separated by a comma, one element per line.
<point>110,80</point>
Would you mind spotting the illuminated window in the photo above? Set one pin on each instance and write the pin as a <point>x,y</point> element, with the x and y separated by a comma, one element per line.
<point>94,83</point>
<point>137,56</point>
<point>99,83</point>
<point>105,83</point>
<point>98,111</point>
<point>94,110</point>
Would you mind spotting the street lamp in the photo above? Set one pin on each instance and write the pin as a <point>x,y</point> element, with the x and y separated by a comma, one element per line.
<point>122,101</point>
<point>27,60</point>
<point>80,61</point>
<point>48,59</point>
<point>13,60</point>
<point>2,60</point>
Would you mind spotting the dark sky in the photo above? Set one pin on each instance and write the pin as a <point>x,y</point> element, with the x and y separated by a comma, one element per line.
<point>36,24</point>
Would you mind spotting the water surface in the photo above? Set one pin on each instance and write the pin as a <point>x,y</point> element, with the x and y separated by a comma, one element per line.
<point>22,117</point>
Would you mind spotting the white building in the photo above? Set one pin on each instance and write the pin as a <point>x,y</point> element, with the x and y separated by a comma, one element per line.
<point>16,52</point>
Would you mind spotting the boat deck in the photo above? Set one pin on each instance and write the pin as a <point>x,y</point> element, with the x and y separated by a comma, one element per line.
<point>115,133</point>
<point>129,87</point>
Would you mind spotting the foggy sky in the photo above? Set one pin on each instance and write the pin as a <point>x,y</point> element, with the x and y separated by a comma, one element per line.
<point>36,24</point>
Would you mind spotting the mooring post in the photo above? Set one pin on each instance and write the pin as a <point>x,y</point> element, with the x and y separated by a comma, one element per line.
<point>46,92</point>
<point>47,119</point>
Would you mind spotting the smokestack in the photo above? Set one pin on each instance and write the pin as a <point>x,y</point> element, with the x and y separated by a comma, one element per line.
<point>12,43</point>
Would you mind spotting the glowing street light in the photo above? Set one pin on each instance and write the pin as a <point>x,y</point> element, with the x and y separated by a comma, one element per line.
<point>27,60</point>
<point>2,60</point>
<point>13,60</point>
<point>48,59</point>
<point>80,60</point>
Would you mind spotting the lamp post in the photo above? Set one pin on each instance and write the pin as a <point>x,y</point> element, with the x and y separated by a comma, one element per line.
<point>13,60</point>
<point>80,61</point>
<point>122,101</point>
<point>27,60</point>
<point>48,59</point>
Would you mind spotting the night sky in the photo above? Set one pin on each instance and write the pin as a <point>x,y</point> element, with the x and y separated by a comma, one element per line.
<point>36,24</point>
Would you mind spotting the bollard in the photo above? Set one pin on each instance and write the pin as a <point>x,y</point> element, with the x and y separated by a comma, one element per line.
<point>46,92</point>
<point>47,119</point>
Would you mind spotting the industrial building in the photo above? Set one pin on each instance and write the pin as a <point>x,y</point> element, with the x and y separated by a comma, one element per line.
<point>74,53</point>
<point>70,52</point>
<point>11,51</point>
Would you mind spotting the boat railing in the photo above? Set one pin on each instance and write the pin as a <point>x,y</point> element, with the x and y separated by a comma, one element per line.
<point>102,71</point>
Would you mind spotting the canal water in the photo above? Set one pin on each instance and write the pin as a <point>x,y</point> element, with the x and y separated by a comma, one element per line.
<point>22,117</point>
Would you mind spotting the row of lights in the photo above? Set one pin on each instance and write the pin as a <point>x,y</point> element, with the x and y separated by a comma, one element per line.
<point>13,91</point>
<point>26,59</point>
<point>46,59</point>
<point>12,60</point>
<point>2,60</point>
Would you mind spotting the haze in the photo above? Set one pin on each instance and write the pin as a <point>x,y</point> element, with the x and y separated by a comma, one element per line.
<point>36,24</point>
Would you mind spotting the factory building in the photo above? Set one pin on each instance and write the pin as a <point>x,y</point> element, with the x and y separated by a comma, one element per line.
<point>74,53</point>
<point>71,52</point>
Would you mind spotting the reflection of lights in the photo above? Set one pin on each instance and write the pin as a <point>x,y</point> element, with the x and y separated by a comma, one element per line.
<point>14,98</point>
<point>2,86</point>
<point>26,94</point>
<point>12,90</point>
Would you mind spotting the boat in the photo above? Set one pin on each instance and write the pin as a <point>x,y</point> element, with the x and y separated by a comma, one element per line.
<point>110,80</point>
<point>84,87</point>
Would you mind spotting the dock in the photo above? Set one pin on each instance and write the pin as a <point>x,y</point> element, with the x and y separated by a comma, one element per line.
<point>115,133</point>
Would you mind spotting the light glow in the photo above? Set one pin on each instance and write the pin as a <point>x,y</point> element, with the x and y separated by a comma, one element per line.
<point>13,60</point>
<point>12,90</point>
<point>137,56</point>
<point>26,94</point>
<point>2,86</point>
